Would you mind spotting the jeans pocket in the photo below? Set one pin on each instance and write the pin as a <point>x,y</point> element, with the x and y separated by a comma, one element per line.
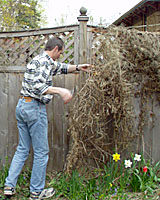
<point>30,112</point>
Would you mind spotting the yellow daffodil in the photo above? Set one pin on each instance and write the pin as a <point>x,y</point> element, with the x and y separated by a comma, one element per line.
<point>101,196</point>
<point>116,157</point>
<point>110,184</point>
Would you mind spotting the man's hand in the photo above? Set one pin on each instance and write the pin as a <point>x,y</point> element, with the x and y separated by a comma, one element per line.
<point>85,67</point>
<point>79,67</point>
<point>65,95</point>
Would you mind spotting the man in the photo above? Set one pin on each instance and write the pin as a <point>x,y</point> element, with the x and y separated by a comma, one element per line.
<point>37,90</point>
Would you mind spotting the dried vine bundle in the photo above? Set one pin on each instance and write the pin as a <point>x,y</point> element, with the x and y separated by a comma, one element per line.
<point>103,119</point>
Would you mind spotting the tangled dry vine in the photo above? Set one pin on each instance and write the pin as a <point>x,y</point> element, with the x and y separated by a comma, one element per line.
<point>103,117</point>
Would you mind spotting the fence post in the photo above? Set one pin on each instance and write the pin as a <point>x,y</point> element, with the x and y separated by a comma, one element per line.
<point>83,19</point>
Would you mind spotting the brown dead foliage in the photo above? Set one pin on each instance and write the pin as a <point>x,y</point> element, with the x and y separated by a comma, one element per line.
<point>103,119</point>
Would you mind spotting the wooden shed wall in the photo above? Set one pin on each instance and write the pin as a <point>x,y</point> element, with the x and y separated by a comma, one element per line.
<point>153,18</point>
<point>149,22</point>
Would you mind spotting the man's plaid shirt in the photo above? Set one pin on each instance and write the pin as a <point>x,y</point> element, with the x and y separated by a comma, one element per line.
<point>38,77</point>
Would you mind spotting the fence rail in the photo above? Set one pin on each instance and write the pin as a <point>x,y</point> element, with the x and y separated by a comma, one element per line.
<point>19,47</point>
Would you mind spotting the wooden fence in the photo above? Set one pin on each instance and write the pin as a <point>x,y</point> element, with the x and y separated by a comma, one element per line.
<point>16,50</point>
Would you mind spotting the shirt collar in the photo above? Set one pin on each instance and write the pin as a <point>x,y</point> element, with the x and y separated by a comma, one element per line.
<point>49,58</point>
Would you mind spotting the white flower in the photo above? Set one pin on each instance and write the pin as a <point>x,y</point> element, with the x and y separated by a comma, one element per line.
<point>93,47</point>
<point>98,43</point>
<point>112,38</point>
<point>137,157</point>
<point>127,163</point>
<point>101,57</point>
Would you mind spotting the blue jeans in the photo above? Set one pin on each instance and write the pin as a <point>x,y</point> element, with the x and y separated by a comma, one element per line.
<point>33,129</point>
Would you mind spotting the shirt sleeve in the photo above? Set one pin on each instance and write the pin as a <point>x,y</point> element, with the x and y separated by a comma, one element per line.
<point>60,68</point>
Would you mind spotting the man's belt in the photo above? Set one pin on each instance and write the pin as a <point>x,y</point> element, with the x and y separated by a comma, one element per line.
<point>27,99</point>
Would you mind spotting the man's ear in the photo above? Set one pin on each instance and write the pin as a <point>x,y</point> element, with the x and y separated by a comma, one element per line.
<point>55,49</point>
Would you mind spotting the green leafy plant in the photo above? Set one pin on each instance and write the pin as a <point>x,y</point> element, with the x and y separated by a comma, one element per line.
<point>117,178</point>
<point>139,175</point>
<point>143,176</point>
<point>23,182</point>
<point>21,15</point>
<point>3,172</point>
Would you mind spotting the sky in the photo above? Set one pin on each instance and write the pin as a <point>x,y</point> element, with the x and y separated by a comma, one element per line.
<point>65,12</point>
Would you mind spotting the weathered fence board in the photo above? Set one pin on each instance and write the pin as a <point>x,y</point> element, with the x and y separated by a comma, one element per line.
<point>156,131</point>
<point>58,125</point>
<point>4,115</point>
<point>45,31</point>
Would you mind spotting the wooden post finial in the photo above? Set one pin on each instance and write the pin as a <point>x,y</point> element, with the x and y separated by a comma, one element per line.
<point>83,11</point>
<point>83,15</point>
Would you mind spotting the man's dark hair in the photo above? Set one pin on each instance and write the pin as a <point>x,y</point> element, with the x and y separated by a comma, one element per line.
<point>53,42</point>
